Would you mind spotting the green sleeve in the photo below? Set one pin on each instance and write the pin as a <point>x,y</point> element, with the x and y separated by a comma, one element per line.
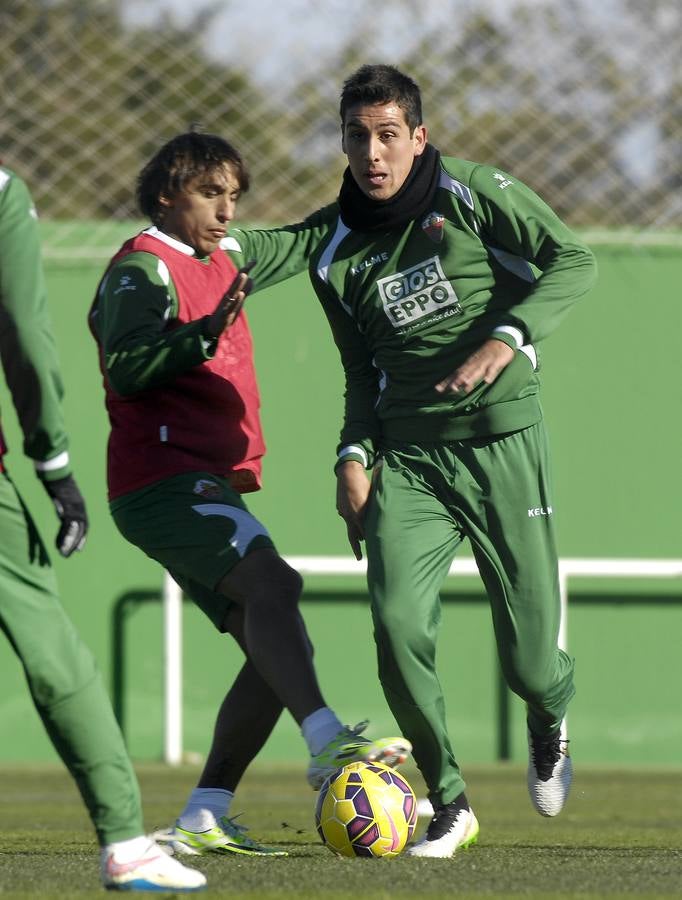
<point>361,428</point>
<point>516,220</point>
<point>282,252</point>
<point>131,319</point>
<point>27,346</point>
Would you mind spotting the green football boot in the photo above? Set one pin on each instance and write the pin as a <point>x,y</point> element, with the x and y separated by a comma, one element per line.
<point>226,837</point>
<point>348,746</point>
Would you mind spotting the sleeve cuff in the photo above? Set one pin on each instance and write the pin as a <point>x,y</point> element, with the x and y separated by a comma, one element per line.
<point>57,467</point>
<point>352,453</point>
<point>510,335</point>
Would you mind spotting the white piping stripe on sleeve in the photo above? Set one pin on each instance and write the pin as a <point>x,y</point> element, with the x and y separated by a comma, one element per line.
<point>517,265</point>
<point>162,270</point>
<point>354,448</point>
<point>383,381</point>
<point>57,462</point>
<point>456,187</point>
<point>515,333</point>
<point>326,258</point>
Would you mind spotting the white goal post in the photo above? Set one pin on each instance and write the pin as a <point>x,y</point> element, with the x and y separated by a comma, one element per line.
<point>343,565</point>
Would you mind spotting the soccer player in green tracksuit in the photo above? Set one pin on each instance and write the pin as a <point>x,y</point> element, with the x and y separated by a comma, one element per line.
<point>439,276</point>
<point>65,684</point>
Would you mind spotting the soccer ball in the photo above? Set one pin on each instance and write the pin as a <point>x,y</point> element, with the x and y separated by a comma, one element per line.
<point>366,809</point>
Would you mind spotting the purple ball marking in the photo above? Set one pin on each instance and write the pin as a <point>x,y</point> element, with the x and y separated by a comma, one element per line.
<point>362,805</point>
<point>357,826</point>
<point>368,838</point>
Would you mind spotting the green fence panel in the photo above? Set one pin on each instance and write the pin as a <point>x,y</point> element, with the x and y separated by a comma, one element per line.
<point>613,399</point>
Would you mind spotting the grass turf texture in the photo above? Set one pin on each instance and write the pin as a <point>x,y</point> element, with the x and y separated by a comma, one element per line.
<point>619,836</point>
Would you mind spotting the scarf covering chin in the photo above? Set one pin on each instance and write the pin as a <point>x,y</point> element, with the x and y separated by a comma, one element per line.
<point>413,200</point>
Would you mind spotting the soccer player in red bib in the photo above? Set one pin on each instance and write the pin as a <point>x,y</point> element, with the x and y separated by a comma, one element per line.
<point>185,446</point>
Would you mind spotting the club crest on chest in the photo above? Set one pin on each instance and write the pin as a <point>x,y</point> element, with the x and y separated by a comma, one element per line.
<point>433,226</point>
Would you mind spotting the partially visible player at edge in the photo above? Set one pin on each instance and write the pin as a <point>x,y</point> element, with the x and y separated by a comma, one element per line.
<point>185,444</point>
<point>438,277</point>
<point>65,684</point>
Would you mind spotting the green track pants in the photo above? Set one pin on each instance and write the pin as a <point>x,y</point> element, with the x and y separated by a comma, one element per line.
<point>62,675</point>
<point>425,500</point>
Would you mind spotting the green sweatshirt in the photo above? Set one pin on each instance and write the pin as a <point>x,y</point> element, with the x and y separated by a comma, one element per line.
<point>27,348</point>
<point>135,301</point>
<point>409,305</point>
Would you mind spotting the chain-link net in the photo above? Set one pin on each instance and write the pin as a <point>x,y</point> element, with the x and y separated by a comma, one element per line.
<point>583,101</point>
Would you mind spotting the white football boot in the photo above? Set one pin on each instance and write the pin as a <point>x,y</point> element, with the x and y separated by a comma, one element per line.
<point>154,870</point>
<point>550,772</point>
<point>452,827</point>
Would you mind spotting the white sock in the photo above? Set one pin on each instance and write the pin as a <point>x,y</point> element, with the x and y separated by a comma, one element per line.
<point>127,851</point>
<point>319,728</point>
<point>204,807</point>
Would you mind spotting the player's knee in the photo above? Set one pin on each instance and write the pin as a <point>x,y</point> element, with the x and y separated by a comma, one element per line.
<point>396,623</point>
<point>289,583</point>
<point>292,581</point>
<point>262,579</point>
<point>280,588</point>
<point>52,682</point>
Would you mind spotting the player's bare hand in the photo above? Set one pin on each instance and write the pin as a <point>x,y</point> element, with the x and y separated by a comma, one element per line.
<point>230,304</point>
<point>483,365</point>
<point>352,492</point>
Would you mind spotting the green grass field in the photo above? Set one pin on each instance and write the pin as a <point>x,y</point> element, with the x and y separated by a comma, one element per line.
<point>619,836</point>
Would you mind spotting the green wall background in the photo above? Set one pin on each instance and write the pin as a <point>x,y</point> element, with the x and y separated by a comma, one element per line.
<point>613,398</point>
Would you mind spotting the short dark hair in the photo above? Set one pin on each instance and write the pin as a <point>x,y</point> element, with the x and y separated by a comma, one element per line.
<point>381,84</point>
<point>179,160</point>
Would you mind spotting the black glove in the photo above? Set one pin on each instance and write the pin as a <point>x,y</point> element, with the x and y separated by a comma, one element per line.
<point>70,507</point>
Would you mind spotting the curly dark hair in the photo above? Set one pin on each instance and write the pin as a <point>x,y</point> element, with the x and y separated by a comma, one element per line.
<point>181,159</point>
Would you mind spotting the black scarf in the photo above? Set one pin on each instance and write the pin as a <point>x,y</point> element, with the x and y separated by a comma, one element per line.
<point>414,199</point>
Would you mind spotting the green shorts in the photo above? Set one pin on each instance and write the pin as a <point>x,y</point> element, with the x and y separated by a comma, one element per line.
<point>197,527</point>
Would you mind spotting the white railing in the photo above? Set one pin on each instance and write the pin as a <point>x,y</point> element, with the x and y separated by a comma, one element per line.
<point>343,565</point>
